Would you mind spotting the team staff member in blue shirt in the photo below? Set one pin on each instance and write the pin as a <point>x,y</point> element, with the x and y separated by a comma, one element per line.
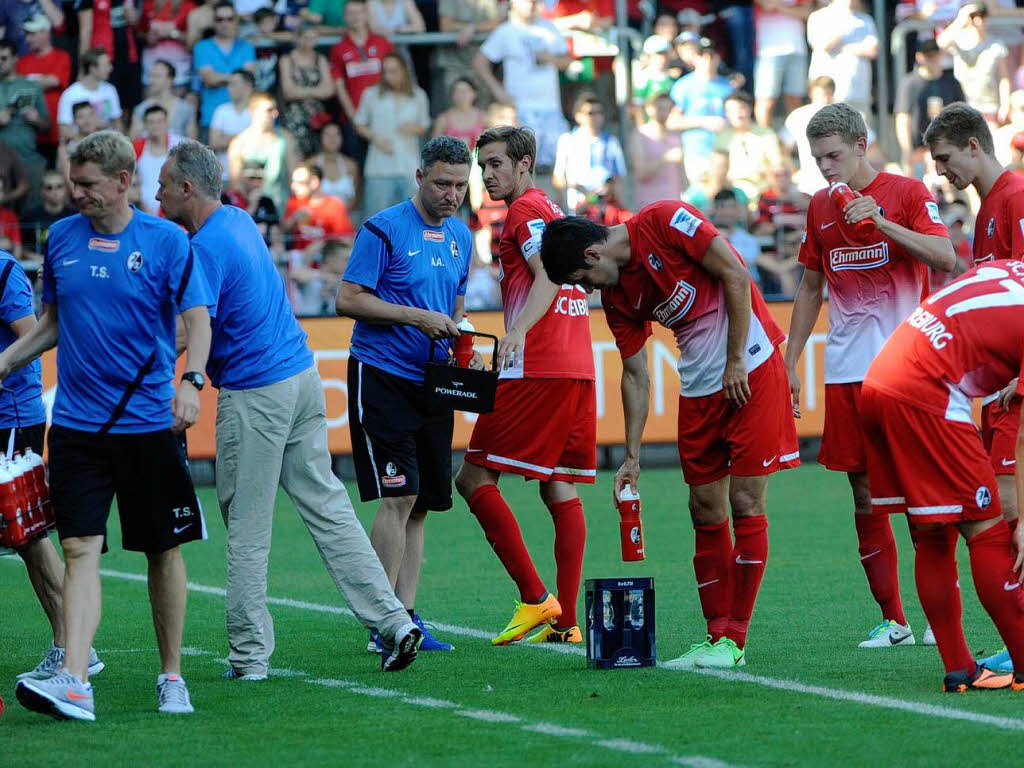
<point>271,425</point>
<point>23,421</point>
<point>405,286</point>
<point>114,281</point>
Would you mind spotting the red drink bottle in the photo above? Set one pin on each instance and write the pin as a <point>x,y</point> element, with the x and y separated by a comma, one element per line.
<point>631,528</point>
<point>842,195</point>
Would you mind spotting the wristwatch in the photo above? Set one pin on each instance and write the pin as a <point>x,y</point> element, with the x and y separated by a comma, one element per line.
<point>195,378</point>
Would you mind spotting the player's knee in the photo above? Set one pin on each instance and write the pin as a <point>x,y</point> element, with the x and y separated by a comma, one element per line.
<point>466,482</point>
<point>705,512</point>
<point>745,503</point>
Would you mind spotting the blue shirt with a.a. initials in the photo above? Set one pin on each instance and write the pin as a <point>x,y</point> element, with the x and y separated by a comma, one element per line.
<point>403,260</point>
<point>118,297</point>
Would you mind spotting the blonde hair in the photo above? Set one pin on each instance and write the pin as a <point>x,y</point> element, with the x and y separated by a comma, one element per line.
<point>111,151</point>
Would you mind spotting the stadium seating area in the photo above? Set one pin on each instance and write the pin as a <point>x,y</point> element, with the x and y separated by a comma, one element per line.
<point>674,105</point>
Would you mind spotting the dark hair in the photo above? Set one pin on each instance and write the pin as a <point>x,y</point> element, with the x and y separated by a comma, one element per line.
<point>90,59</point>
<point>313,170</point>
<point>563,245</point>
<point>519,142</point>
<point>743,96</point>
<point>10,46</point>
<point>78,106</point>
<point>584,98</point>
<point>724,195</point>
<point>266,13</point>
<point>445,149</point>
<point>153,109</point>
<point>225,4</point>
<point>463,79</point>
<point>172,71</point>
<point>957,123</point>
<point>246,75</point>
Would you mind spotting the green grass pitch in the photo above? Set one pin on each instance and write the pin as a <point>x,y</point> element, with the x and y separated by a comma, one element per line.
<point>807,696</point>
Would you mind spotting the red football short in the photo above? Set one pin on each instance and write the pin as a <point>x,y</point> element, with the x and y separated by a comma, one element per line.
<point>921,463</point>
<point>544,429</point>
<point>842,441</point>
<point>716,439</point>
<point>999,434</point>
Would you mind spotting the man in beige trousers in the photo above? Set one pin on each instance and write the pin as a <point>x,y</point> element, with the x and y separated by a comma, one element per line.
<point>271,426</point>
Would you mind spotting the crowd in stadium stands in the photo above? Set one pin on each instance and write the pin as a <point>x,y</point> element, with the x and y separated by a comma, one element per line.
<point>317,110</point>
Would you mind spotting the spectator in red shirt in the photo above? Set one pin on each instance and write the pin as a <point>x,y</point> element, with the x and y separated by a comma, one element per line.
<point>164,28</point>
<point>50,69</point>
<point>113,30</point>
<point>311,217</point>
<point>10,229</point>
<point>355,66</point>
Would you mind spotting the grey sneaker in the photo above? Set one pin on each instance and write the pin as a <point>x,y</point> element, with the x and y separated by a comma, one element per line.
<point>62,696</point>
<point>54,660</point>
<point>249,677</point>
<point>172,695</point>
<point>402,652</point>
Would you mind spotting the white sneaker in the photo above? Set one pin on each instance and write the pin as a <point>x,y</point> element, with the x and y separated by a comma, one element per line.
<point>53,660</point>
<point>62,696</point>
<point>888,634</point>
<point>929,637</point>
<point>172,695</point>
<point>249,677</point>
<point>692,657</point>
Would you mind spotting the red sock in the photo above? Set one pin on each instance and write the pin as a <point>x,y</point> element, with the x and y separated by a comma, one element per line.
<point>992,568</point>
<point>570,538</point>
<point>748,560</point>
<point>935,573</point>
<point>880,561</point>
<point>711,558</point>
<point>503,534</point>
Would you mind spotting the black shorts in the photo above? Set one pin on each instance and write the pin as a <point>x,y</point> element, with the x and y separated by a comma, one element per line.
<point>401,444</point>
<point>148,473</point>
<point>24,437</point>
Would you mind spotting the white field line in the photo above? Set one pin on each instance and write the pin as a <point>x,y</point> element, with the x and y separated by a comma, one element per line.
<point>625,746</point>
<point>793,686</point>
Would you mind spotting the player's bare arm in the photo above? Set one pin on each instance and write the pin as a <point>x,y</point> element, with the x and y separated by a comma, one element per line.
<point>359,303</point>
<point>40,337</point>
<point>722,263</point>
<point>806,307</point>
<point>196,324</point>
<point>934,250</point>
<point>538,300</point>
<point>636,399</point>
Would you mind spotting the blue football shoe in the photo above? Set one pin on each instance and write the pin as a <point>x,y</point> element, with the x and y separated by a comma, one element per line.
<point>430,643</point>
<point>998,662</point>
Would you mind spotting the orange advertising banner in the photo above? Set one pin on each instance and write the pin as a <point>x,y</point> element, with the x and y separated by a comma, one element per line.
<point>329,338</point>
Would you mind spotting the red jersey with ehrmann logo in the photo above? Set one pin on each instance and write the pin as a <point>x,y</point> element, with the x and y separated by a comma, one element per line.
<point>665,281</point>
<point>963,341</point>
<point>873,283</point>
<point>558,346</point>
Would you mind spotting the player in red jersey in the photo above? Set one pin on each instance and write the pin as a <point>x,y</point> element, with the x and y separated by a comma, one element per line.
<point>925,457</point>
<point>874,282</point>
<point>669,263</point>
<point>961,145</point>
<point>544,423</point>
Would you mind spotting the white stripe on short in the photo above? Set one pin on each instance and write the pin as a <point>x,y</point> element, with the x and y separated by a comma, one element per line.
<point>789,457</point>
<point>889,500</point>
<point>947,509</point>
<point>575,472</point>
<point>369,445</point>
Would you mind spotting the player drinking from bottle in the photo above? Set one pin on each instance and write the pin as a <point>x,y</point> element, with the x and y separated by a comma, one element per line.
<point>669,263</point>
<point>544,422</point>
<point>875,279</point>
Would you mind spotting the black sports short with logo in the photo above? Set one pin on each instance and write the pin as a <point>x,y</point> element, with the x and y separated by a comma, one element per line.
<point>401,442</point>
<point>147,472</point>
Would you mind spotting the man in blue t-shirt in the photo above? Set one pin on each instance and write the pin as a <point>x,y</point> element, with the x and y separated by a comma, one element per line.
<point>405,286</point>
<point>23,427</point>
<point>700,100</point>
<point>216,58</point>
<point>271,424</point>
<point>114,282</point>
